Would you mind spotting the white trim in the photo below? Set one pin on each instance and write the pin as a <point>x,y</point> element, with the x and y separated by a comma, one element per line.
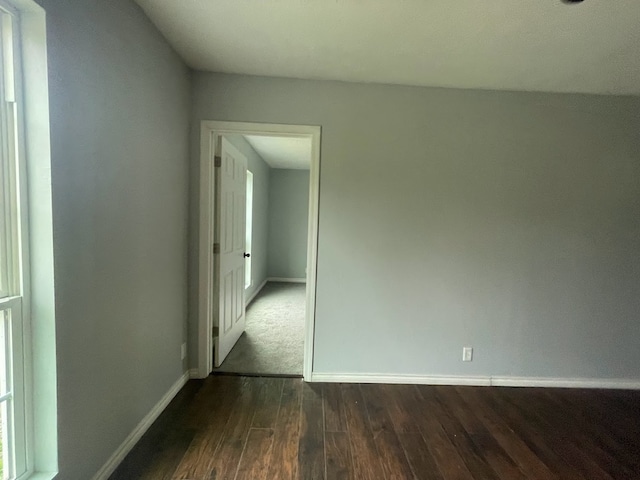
<point>205,254</point>
<point>209,131</point>
<point>137,433</point>
<point>256,292</point>
<point>551,382</point>
<point>193,373</point>
<point>312,254</point>
<point>287,280</point>
<point>403,379</point>
<point>547,382</point>
<point>40,370</point>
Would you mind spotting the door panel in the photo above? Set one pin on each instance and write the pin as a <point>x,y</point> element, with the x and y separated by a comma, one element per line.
<point>232,197</point>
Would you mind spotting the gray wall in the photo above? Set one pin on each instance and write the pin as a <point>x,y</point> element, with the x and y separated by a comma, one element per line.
<point>260,228</point>
<point>505,221</point>
<point>288,223</point>
<point>119,131</point>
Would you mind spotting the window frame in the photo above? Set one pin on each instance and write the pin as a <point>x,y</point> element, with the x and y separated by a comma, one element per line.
<point>9,156</point>
<point>15,216</point>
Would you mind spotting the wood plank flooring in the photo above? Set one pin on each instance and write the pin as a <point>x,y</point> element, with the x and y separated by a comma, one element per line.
<point>237,428</point>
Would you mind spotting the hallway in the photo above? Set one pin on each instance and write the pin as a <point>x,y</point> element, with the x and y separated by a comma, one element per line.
<point>273,341</point>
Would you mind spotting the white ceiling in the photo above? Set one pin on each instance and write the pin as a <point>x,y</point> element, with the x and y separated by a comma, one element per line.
<point>532,45</point>
<point>282,152</point>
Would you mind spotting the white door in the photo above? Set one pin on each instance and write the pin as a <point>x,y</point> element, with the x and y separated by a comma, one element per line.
<point>232,176</point>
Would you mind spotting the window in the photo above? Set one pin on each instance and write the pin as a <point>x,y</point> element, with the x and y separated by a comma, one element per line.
<point>12,258</point>
<point>28,403</point>
<point>249,213</point>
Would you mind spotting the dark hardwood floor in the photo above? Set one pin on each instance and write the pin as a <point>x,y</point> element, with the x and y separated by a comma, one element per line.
<point>229,427</point>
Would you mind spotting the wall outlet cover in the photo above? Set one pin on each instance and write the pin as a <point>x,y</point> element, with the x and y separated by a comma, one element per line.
<point>467,354</point>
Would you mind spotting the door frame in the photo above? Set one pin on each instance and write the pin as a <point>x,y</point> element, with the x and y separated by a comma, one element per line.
<point>210,131</point>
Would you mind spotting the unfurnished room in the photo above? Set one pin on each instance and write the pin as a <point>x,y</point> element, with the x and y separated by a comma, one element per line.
<point>295,239</point>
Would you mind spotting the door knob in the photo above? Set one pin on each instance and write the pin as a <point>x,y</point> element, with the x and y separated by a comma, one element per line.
<point>247,255</point>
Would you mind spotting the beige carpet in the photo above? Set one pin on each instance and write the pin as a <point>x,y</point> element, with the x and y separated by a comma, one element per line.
<point>273,341</point>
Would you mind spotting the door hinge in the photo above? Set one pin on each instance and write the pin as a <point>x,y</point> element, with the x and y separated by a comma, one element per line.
<point>216,248</point>
<point>217,161</point>
<point>216,331</point>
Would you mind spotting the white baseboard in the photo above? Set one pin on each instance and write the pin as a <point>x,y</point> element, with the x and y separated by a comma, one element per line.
<point>497,381</point>
<point>256,292</point>
<point>550,382</point>
<point>194,373</point>
<point>405,379</point>
<point>137,433</point>
<point>287,280</point>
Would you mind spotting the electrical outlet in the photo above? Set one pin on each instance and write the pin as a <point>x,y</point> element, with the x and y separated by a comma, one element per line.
<point>183,351</point>
<point>467,354</point>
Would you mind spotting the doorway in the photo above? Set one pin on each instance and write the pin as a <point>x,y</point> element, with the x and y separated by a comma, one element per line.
<point>296,286</point>
<point>276,229</point>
